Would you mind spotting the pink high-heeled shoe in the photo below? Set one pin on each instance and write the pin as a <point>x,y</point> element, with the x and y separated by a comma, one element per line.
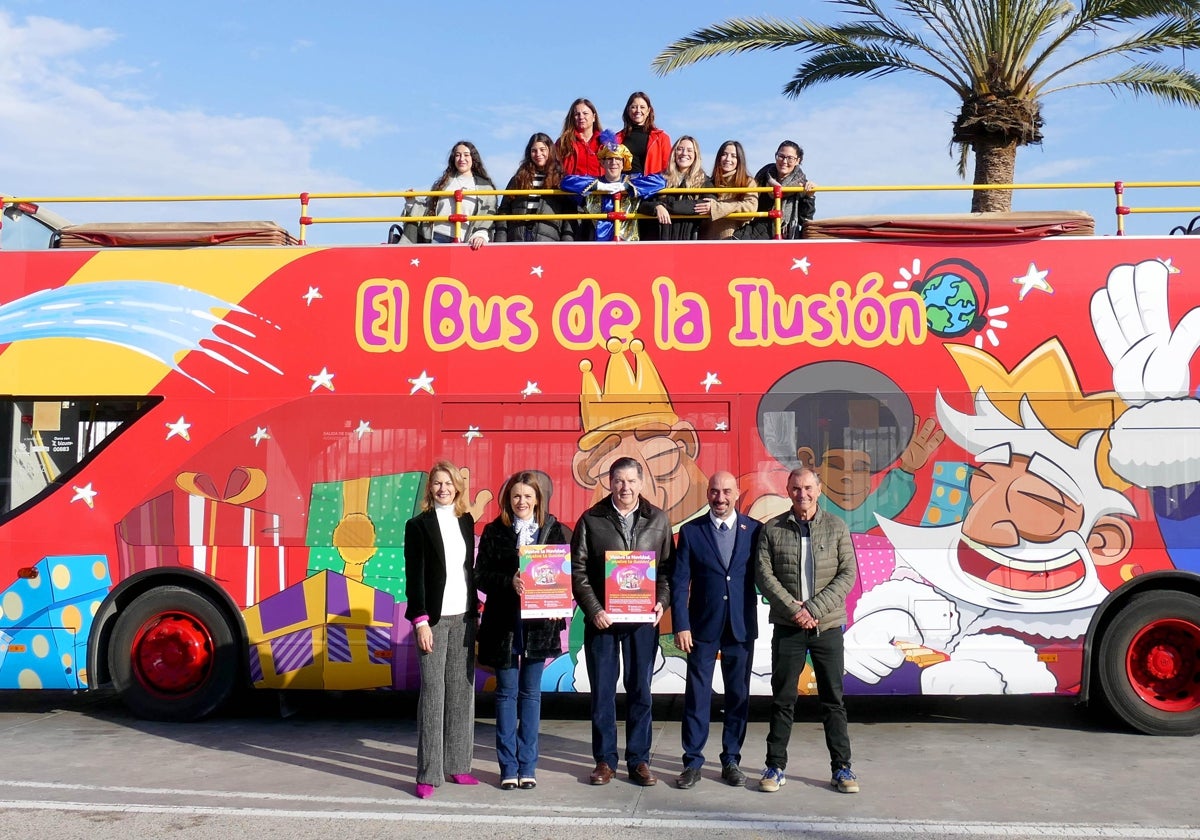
<point>463,779</point>
<point>425,791</point>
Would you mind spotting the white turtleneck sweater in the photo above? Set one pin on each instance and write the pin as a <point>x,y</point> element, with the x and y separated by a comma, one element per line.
<point>454,596</point>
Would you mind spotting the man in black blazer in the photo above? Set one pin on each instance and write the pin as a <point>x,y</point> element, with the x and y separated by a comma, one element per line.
<point>713,607</point>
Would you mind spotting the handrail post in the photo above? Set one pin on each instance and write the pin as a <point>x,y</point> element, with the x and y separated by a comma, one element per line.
<point>305,218</point>
<point>458,198</point>
<point>1121,210</point>
<point>777,212</point>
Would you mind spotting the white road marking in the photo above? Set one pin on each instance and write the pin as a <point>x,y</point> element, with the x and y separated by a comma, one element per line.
<point>421,812</point>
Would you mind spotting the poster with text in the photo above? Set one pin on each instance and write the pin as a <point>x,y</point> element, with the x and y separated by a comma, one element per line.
<point>546,573</point>
<point>629,590</point>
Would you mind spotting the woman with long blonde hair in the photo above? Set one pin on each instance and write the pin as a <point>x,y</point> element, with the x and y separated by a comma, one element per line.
<point>439,584</point>
<point>677,211</point>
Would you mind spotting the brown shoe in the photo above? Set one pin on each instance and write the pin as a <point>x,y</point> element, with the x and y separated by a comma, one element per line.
<point>602,775</point>
<point>640,774</point>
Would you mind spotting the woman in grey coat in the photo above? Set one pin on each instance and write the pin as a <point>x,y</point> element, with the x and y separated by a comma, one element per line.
<point>464,171</point>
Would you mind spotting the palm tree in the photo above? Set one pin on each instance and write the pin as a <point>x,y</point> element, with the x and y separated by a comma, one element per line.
<point>1001,57</point>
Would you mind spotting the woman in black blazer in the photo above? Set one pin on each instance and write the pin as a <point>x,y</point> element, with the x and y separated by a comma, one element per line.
<point>439,572</point>
<point>516,648</point>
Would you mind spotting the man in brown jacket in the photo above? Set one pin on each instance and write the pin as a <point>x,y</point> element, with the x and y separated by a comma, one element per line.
<point>805,567</point>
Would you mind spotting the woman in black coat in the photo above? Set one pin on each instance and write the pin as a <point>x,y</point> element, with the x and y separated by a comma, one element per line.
<point>517,649</point>
<point>677,211</point>
<point>439,585</point>
<point>539,170</point>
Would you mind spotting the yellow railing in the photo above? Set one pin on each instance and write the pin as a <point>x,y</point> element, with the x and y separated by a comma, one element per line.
<point>458,218</point>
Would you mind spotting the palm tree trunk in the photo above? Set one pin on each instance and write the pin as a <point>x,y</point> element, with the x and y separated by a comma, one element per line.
<point>995,163</point>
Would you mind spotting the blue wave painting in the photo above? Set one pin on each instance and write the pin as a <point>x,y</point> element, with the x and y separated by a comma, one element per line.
<point>158,320</point>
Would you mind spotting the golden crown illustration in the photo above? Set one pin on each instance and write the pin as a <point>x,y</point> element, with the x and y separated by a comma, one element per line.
<point>633,395</point>
<point>1047,379</point>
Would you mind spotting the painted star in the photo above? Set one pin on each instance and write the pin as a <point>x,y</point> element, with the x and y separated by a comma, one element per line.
<point>324,379</point>
<point>721,426</point>
<point>1167,262</point>
<point>471,433</point>
<point>84,494</point>
<point>530,389</point>
<point>364,428</point>
<point>536,271</point>
<point>803,264</point>
<point>415,262</point>
<point>709,380</point>
<point>179,427</point>
<point>260,434</point>
<point>313,294</point>
<point>424,382</point>
<point>1033,279</point>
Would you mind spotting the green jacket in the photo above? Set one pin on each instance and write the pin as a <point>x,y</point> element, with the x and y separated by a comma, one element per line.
<point>777,568</point>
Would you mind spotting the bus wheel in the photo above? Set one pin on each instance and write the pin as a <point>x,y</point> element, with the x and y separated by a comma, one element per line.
<point>173,655</point>
<point>1150,663</point>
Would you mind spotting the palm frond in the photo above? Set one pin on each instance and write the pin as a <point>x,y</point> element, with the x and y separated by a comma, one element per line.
<point>964,155</point>
<point>1158,81</point>
<point>1103,14</point>
<point>856,62</point>
<point>1171,34</point>
<point>738,35</point>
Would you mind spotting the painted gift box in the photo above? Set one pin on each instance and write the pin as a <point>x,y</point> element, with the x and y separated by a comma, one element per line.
<point>326,632</point>
<point>45,621</point>
<point>218,534</point>
<point>356,527</point>
<point>949,499</point>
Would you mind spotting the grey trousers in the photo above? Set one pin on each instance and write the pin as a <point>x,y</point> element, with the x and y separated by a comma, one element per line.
<point>446,709</point>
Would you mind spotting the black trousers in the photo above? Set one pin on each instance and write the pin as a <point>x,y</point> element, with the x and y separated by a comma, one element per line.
<point>789,648</point>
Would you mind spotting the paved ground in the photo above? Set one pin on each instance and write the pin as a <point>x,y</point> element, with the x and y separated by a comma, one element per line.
<point>344,766</point>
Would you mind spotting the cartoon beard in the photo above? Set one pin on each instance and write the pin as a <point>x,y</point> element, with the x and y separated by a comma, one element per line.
<point>1027,578</point>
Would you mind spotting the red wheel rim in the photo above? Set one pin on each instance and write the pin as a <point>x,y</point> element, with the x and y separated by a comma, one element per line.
<point>172,653</point>
<point>1163,664</point>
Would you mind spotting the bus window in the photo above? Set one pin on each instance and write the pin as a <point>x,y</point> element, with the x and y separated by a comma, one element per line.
<point>46,440</point>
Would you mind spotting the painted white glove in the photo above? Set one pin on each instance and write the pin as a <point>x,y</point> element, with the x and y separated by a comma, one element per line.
<point>1132,324</point>
<point>870,654</point>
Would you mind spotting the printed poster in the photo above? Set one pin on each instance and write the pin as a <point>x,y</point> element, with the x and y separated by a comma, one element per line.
<point>629,590</point>
<point>546,573</point>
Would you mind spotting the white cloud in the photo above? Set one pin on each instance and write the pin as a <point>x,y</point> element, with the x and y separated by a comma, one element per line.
<point>77,138</point>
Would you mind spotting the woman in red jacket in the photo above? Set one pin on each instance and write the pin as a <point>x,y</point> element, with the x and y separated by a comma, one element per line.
<point>580,139</point>
<point>649,145</point>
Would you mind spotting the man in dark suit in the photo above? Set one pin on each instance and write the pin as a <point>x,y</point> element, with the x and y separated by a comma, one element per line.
<point>713,603</point>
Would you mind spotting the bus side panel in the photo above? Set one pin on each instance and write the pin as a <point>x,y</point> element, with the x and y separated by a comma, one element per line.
<point>961,402</point>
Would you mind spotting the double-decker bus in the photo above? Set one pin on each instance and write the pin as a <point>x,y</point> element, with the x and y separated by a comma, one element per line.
<point>208,454</point>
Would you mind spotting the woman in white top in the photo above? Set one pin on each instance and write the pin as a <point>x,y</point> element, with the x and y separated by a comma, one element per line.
<point>464,171</point>
<point>439,572</point>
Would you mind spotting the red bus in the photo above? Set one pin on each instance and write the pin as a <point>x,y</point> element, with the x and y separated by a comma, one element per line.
<point>209,453</point>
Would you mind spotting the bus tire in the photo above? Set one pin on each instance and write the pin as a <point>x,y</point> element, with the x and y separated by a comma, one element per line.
<point>173,655</point>
<point>1149,664</point>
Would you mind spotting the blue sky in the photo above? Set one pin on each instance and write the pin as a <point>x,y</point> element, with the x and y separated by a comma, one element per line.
<point>125,98</point>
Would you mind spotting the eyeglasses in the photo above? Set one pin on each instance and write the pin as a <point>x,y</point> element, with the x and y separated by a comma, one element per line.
<point>786,158</point>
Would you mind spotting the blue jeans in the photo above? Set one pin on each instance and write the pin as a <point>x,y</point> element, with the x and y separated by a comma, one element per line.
<point>604,650</point>
<point>518,716</point>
